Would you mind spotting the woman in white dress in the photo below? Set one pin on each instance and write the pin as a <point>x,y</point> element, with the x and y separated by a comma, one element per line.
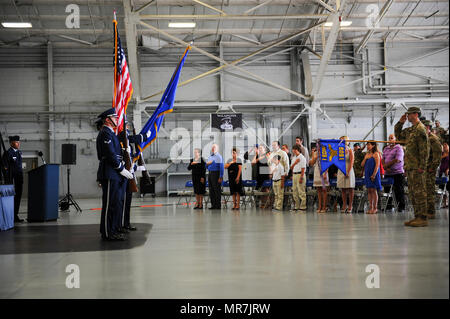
<point>321,188</point>
<point>347,182</point>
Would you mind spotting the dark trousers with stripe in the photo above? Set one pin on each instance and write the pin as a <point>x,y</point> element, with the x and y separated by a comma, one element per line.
<point>112,204</point>
<point>18,189</point>
<point>128,196</point>
<point>214,189</point>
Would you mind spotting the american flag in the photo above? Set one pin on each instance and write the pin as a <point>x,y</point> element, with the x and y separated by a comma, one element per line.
<point>123,90</point>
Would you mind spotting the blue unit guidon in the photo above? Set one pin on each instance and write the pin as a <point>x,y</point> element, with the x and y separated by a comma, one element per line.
<point>332,152</point>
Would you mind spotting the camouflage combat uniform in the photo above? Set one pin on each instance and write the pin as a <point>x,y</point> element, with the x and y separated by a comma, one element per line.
<point>416,156</point>
<point>434,160</point>
<point>359,157</point>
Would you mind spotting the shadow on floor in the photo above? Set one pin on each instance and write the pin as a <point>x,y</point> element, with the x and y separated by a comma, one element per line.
<point>65,238</point>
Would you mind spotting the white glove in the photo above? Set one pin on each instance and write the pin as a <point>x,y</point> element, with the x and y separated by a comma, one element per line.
<point>126,173</point>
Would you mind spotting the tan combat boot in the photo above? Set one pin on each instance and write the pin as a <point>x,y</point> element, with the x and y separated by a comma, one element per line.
<point>417,222</point>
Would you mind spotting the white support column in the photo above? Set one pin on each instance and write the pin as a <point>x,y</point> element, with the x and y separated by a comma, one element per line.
<point>51,108</point>
<point>313,130</point>
<point>221,79</point>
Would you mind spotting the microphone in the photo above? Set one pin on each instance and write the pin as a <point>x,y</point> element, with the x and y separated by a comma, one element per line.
<point>40,154</point>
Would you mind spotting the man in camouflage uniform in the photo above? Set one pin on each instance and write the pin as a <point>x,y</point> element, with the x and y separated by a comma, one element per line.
<point>440,131</point>
<point>433,163</point>
<point>359,157</point>
<point>416,157</point>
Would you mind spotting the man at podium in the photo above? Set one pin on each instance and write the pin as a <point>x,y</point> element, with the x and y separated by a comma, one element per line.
<point>13,173</point>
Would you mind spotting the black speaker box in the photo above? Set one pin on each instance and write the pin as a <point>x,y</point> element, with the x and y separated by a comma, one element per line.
<point>68,154</point>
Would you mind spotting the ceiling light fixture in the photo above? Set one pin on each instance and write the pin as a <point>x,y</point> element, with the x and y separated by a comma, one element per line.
<point>17,24</point>
<point>342,24</point>
<point>181,24</point>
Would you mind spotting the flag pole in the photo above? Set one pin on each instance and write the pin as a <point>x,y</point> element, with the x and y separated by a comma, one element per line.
<point>115,58</point>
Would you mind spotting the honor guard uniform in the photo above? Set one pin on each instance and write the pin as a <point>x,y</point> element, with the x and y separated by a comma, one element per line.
<point>13,173</point>
<point>112,176</point>
<point>125,224</point>
<point>416,159</point>
<point>434,160</point>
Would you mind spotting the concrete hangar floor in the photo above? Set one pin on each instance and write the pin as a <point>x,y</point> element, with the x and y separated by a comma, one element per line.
<point>179,252</point>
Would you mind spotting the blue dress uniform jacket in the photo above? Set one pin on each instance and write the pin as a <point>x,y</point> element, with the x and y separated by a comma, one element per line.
<point>13,173</point>
<point>12,166</point>
<point>109,154</point>
<point>113,184</point>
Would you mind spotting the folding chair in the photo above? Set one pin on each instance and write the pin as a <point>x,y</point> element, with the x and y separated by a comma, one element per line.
<point>311,193</point>
<point>289,193</point>
<point>226,193</point>
<point>360,194</point>
<point>441,192</point>
<point>249,186</point>
<point>256,193</point>
<point>388,182</point>
<point>186,194</point>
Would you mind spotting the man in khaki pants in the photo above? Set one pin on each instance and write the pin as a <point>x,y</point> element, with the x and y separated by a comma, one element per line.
<point>278,175</point>
<point>298,180</point>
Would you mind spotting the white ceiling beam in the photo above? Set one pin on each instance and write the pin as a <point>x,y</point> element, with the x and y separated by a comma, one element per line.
<point>229,31</point>
<point>328,50</point>
<point>212,17</point>
<point>258,6</point>
<point>210,7</point>
<point>325,5</point>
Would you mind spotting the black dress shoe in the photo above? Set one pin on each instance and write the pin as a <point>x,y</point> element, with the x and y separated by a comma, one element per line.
<point>18,220</point>
<point>123,230</point>
<point>131,228</point>
<point>117,237</point>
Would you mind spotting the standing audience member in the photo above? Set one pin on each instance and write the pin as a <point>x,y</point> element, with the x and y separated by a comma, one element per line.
<point>320,182</point>
<point>234,166</point>
<point>416,157</point>
<point>285,148</point>
<point>303,149</point>
<point>434,160</point>
<point>347,182</point>
<point>443,171</point>
<point>358,154</point>
<point>284,159</point>
<point>440,131</point>
<point>198,167</point>
<point>298,168</point>
<point>263,172</point>
<point>372,178</point>
<point>278,178</point>
<point>392,160</point>
<point>215,167</point>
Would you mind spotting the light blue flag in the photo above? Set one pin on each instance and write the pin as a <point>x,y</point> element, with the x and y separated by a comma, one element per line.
<point>332,152</point>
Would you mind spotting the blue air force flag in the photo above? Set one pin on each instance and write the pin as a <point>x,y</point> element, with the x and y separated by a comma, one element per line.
<point>165,106</point>
<point>332,152</point>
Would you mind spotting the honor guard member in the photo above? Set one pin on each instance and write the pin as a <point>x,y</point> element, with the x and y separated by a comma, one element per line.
<point>433,163</point>
<point>13,173</point>
<point>128,196</point>
<point>112,176</point>
<point>416,158</point>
